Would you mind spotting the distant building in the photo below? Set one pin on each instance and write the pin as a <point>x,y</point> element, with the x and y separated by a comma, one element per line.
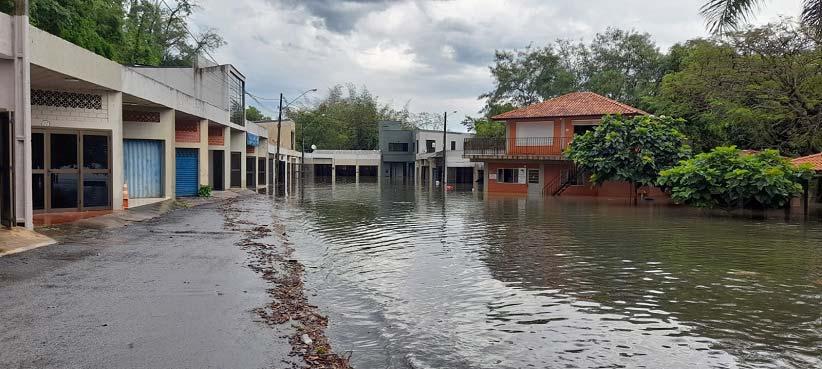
<point>397,151</point>
<point>530,159</point>
<point>428,161</point>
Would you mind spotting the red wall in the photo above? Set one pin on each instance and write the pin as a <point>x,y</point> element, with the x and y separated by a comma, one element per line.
<point>216,136</point>
<point>494,186</point>
<point>187,131</point>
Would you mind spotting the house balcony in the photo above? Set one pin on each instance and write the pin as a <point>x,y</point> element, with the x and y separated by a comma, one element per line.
<point>528,148</point>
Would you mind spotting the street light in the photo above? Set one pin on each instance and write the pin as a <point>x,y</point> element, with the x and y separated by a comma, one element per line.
<point>280,125</point>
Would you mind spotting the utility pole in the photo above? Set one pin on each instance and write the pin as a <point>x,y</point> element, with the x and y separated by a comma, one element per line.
<point>444,148</point>
<point>302,160</point>
<point>279,133</point>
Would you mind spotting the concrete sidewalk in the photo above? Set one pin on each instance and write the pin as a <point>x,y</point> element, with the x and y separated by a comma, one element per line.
<point>18,240</point>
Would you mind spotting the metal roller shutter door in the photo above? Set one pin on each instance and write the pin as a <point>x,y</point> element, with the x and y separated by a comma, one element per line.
<point>187,172</point>
<point>143,167</point>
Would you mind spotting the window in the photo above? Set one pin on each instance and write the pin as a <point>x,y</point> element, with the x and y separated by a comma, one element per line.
<point>398,147</point>
<point>453,145</point>
<point>429,146</point>
<point>533,176</point>
<point>236,99</point>
<point>508,175</point>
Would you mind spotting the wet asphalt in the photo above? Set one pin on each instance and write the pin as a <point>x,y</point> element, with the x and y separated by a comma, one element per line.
<point>171,292</point>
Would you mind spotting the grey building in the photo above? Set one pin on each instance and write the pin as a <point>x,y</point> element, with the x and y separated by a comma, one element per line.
<point>397,151</point>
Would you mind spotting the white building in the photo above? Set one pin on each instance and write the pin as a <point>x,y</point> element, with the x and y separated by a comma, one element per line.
<point>77,129</point>
<point>429,153</point>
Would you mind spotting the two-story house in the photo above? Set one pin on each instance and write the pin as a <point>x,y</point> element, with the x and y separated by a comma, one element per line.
<point>530,159</point>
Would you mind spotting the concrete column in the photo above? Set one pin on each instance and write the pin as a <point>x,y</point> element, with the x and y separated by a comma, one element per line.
<point>167,119</point>
<point>203,150</point>
<point>333,173</point>
<point>227,158</point>
<point>115,119</point>
<point>357,173</point>
<point>430,174</point>
<point>242,161</point>
<point>474,178</point>
<point>23,205</point>
<point>486,171</point>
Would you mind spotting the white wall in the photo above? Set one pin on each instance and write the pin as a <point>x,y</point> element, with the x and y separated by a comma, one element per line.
<point>55,116</point>
<point>422,136</point>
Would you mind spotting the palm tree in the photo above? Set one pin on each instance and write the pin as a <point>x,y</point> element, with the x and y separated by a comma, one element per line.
<point>725,15</point>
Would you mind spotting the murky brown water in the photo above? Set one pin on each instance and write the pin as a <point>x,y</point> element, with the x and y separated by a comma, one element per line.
<point>412,281</point>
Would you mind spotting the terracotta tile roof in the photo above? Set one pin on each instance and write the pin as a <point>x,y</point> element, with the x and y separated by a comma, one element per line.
<point>815,160</point>
<point>574,104</point>
<point>750,152</point>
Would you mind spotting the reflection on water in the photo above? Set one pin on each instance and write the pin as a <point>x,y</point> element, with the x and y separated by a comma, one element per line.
<point>413,281</point>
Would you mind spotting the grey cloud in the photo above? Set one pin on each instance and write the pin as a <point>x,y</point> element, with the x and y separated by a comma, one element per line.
<point>339,16</point>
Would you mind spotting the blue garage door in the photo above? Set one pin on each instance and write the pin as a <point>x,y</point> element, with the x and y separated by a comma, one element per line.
<point>143,166</point>
<point>187,168</point>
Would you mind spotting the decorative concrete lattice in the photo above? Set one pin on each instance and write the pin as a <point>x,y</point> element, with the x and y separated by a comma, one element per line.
<point>141,116</point>
<point>66,99</point>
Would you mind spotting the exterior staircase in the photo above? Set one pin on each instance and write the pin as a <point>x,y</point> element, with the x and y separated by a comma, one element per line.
<point>569,176</point>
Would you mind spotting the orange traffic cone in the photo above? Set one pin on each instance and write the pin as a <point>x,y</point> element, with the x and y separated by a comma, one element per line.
<point>125,195</point>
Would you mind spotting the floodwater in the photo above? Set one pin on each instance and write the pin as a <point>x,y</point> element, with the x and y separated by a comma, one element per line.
<point>413,280</point>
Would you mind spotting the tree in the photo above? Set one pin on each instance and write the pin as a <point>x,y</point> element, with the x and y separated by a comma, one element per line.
<point>727,178</point>
<point>759,88</point>
<point>619,64</point>
<point>253,114</point>
<point>484,126</point>
<point>345,119</point>
<point>144,32</point>
<point>629,149</point>
<point>727,15</point>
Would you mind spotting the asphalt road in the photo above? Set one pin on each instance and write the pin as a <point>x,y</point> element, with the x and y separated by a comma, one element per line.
<point>172,292</point>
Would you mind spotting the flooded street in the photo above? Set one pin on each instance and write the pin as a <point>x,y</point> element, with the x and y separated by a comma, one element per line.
<point>411,281</point>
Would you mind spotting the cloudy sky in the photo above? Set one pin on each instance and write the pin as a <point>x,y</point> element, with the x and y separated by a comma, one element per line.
<point>433,55</point>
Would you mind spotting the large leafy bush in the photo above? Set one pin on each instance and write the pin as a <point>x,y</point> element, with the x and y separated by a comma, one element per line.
<point>629,149</point>
<point>728,178</point>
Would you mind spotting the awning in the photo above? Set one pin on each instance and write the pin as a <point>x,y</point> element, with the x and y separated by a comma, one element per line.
<point>252,139</point>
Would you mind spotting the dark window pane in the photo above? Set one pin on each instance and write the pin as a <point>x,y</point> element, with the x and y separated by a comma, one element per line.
<point>63,190</point>
<point>63,151</point>
<point>38,189</point>
<point>95,152</point>
<point>37,151</point>
<point>95,190</point>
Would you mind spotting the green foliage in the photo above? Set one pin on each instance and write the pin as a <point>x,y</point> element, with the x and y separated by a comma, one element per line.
<point>345,119</point>
<point>726,178</point>
<point>761,88</point>
<point>6,6</point>
<point>144,32</point>
<point>252,114</point>
<point>486,127</point>
<point>629,149</point>
<point>204,191</point>
<point>727,15</point>
<point>622,65</point>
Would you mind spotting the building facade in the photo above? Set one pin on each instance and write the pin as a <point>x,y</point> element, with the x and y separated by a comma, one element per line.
<point>429,158</point>
<point>81,132</point>
<point>397,151</point>
<point>530,160</point>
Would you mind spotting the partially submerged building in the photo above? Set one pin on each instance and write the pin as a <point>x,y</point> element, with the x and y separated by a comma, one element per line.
<point>530,158</point>
<point>428,164</point>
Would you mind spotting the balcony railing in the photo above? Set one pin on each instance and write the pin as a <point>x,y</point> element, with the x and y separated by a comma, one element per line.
<point>518,146</point>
